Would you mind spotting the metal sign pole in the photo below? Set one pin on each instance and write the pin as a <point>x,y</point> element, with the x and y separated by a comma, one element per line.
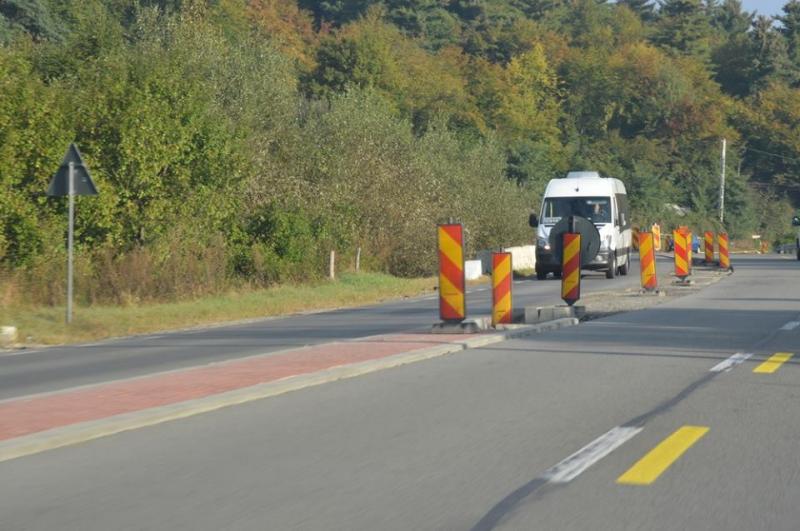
<point>70,239</point>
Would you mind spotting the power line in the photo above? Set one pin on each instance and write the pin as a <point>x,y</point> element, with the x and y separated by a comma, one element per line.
<point>771,154</point>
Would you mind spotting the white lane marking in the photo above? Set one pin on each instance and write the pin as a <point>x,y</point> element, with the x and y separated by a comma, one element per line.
<point>729,363</point>
<point>577,463</point>
<point>791,325</point>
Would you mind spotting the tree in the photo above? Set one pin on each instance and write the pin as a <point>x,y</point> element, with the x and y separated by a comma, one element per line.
<point>790,29</point>
<point>683,28</point>
<point>644,8</point>
<point>31,16</point>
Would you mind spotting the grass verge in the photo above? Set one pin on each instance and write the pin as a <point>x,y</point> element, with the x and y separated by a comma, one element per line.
<point>45,325</point>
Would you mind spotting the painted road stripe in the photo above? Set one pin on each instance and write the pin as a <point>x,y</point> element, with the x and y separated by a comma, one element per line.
<point>577,463</point>
<point>731,362</point>
<point>773,363</point>
<point>791,325</point>
<point>655,462</point>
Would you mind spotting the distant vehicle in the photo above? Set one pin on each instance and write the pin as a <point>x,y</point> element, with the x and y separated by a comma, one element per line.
<point>796,223</point>
<point>601,200</point>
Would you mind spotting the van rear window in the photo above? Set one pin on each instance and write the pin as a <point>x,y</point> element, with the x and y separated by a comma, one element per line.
<point>595,209</point>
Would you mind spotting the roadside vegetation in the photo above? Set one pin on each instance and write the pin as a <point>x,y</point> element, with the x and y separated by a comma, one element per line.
<point>39,324</point>
<point>235,143</point>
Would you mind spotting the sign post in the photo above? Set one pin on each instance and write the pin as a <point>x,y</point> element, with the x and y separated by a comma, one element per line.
<point>71,179</point>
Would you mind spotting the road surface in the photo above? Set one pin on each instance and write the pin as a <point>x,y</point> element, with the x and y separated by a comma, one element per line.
<point>64,367</point>
<point>683,416</point>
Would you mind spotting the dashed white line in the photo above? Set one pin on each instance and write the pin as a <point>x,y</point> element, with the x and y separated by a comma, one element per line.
<point>731,362</point>
<point>791,325</point>
<point>577,463</point>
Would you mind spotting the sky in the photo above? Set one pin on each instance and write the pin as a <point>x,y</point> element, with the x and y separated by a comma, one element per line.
<point>764,7</point>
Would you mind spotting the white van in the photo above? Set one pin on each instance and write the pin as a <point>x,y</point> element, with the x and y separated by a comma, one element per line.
<point>601,200</point>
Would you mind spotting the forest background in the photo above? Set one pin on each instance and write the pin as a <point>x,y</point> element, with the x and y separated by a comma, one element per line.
<point>236,142</point>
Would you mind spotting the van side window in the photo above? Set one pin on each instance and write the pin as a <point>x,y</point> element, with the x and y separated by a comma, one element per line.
<point>622,211</point>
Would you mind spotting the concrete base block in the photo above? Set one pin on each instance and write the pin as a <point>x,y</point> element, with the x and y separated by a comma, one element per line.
<point>653,293</point>
<point>541,314</point>
<point>8,336</point>
<point>683,282</point>
<point>468,326</point>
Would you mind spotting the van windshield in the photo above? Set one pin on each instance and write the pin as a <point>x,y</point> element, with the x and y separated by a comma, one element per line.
<point>595,209</point>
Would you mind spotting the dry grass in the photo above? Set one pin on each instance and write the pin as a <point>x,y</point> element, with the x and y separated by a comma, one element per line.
<point>45,324</point>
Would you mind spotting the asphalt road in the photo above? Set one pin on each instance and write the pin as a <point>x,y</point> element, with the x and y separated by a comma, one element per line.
<point>481,440</point>
<point>52,369</point>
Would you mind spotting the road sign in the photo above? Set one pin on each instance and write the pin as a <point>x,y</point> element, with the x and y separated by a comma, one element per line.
<point>647,261</point>
<point>452,284</point>
<point>71,179</point>
<point>571,267</point>
<point>502,274</point>
<point>683,244</point>
<point>81,180</point>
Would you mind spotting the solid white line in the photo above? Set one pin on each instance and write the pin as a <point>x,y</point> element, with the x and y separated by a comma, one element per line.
<point>791,325</point>
<point>729,363</point>
<point>577,463</point>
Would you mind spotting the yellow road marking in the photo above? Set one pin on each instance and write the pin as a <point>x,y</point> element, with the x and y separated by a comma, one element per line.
<point>655,462</point>
<point>773,363</point>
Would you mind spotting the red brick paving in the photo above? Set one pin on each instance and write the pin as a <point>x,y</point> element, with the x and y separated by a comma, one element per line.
<point>27,416</point>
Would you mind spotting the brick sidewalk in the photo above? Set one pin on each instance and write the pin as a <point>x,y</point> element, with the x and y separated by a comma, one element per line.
<point>28,416</point>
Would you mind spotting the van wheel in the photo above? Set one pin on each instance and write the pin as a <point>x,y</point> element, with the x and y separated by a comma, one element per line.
<point>612,266</point>
<point>623,269</point>
<point>541,274</point>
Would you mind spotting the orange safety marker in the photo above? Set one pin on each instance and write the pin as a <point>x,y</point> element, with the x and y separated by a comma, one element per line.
<point>502,306</point>
<point>647,260</point>
<point>724,256</point>
<point>709,237</point>
<point>682,244</point>
<point>452,301</point>
<point>571,268</point>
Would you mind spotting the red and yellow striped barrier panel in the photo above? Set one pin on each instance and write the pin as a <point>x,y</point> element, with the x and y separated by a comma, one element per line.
<point>571,268</point>
<point>689,251</point>
<point>647,261</point>
<point>709,237</point>
<point>724,256</point>
<point>656,230</point>
<point>682,245</point>
<point>502,306</point>
<point>452,301</point>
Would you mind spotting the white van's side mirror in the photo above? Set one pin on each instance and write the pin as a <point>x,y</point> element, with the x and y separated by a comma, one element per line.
<point>533,221</point>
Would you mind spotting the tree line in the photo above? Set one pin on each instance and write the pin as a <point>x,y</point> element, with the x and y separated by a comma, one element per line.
<point>239,141</point>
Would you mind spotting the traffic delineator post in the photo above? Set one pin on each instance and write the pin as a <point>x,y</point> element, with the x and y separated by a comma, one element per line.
<point>452,299</point>
<point>689,250</point>
<point>724,256</point>
<point>709,239</point>
<point>571,268</point>
<point>647,261</point>
<point>656,230</point>
<point>502,277</point>
<point>681,244</point>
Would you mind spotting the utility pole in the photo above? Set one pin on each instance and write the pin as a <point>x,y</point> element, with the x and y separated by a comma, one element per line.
<point>722,184</point>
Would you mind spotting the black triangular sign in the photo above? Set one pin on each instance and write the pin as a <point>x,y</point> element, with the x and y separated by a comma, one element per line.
<point>82,185</point>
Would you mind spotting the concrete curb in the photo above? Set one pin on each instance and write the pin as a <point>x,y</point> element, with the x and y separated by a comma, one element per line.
<point>87,431</point>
